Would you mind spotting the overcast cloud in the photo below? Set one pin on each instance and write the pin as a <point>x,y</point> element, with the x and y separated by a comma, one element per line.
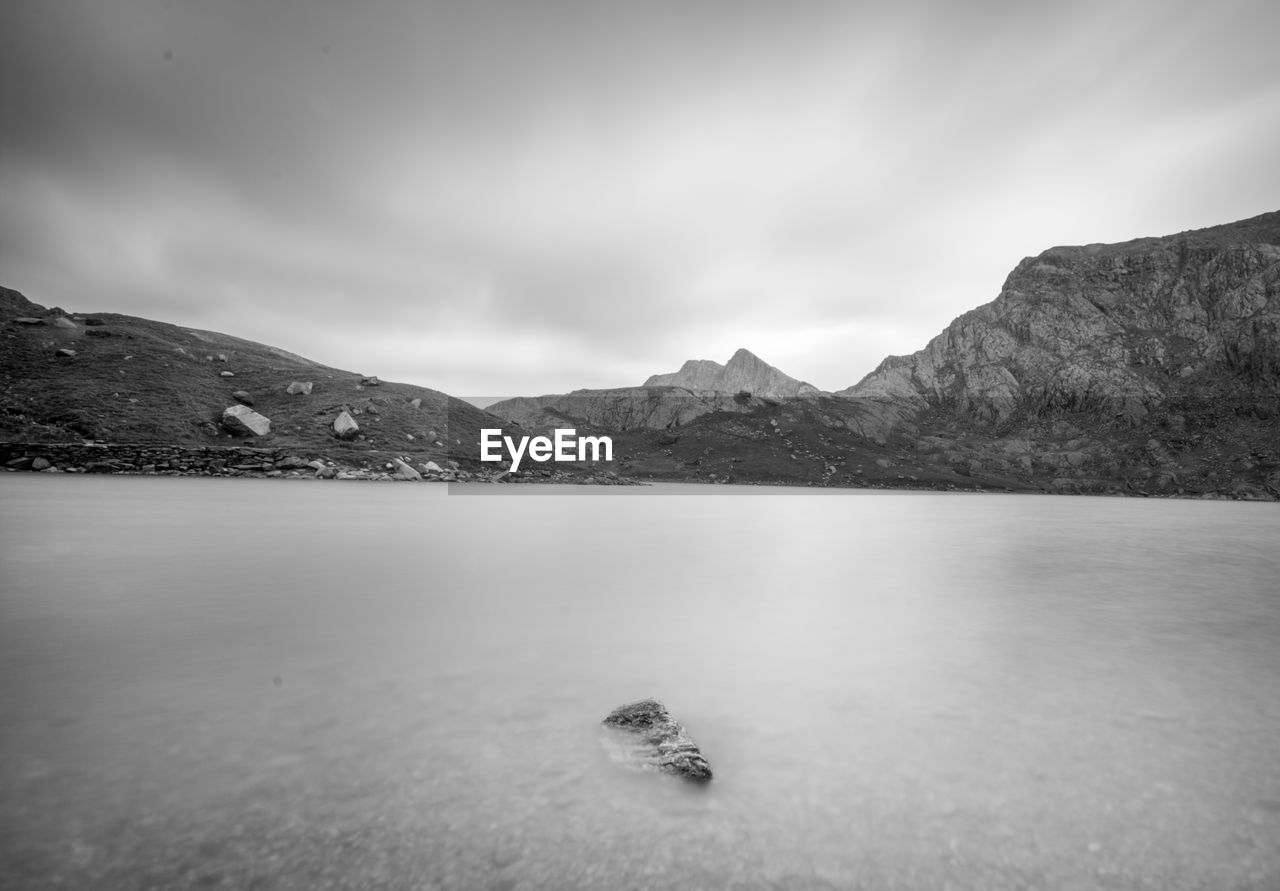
<point>512,198</point>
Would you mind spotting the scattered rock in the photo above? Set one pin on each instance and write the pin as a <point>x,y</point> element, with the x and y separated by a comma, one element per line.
<point>291,462</point>
<point>39,464</point>
<point>326,473</point>
<point>67,353</point>
<point>242,420</point>
<point>297,388</point>
<point>243,397</point>
<point>416,403</point>
<point>371,381</point>
<point>345,426</point>
<point>64,322</point>
<point>643,734</point>
<point>226,374</point>
<point>28,320</point>
<point>432,467</point>
<point>404,471</point>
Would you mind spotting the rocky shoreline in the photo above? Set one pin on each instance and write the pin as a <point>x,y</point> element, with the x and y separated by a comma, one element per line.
<point>152,459</point>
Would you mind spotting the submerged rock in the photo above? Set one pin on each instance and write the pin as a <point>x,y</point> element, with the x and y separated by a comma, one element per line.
<point>643,734</point>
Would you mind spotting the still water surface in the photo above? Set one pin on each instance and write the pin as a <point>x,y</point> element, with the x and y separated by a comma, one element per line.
<point>263,684</point>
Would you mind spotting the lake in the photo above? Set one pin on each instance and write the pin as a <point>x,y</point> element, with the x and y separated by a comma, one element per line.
<point>231,683</point>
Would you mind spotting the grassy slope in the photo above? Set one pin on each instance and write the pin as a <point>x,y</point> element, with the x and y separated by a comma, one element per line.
<point>137,380</point>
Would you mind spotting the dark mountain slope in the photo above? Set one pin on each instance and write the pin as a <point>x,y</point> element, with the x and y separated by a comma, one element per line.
<point>1120,332</point>
<point>137,380</point>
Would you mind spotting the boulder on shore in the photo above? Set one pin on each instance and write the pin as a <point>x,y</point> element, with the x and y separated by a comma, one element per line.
<point>403,471</point>
<point>242,420</point>
<point>644,735</point>
<point>345,426</point>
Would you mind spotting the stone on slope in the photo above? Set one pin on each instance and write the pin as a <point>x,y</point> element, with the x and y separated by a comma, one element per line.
<point>243,397</point>
<point>644,735</point>
<point>64,322</point>
<point>242,420</point>
<point>345,426</point>
<point>299,388</point>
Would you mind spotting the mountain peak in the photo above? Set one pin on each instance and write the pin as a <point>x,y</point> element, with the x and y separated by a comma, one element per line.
<point>745,371</point>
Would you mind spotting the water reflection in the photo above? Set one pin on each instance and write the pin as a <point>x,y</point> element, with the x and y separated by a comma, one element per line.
<point>309,685</point>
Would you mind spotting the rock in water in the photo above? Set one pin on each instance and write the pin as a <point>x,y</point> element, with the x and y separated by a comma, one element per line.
<point>643,734</point>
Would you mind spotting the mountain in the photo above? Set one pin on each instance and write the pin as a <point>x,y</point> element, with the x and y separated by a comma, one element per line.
<point>68,377</point>
<point>1150,367</point>
<point>664,401</point>
<point>745,372</point>
<point>1120,332</point>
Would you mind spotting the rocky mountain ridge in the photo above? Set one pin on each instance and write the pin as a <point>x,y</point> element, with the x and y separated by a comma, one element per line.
<point>1115,330</point>
<point>745,372</point>
<point>664,401</point>
<point>1147,367</point>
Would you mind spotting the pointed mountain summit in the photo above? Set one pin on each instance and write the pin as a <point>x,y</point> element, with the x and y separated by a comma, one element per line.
<point>744,371</point>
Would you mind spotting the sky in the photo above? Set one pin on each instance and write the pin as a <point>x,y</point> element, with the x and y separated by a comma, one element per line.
<point>533,196</point>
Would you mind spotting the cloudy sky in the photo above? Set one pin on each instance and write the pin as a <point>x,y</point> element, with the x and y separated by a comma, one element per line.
<point>521,197</point>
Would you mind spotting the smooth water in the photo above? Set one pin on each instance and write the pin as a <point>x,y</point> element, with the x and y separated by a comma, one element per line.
<point>304,685</point>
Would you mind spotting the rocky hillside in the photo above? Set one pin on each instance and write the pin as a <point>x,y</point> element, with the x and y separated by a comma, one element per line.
<point>665,401</point>
<point>1150,367</point>
<point>1119,331</point>
<point>744,373</point>
<point>69,377</point>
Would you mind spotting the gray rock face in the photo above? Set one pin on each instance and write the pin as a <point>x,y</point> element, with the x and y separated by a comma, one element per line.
<point>1110,329</point>
<point>644,735</point>
<point>404,471</point>
<point>745,371</point>
<point>345,426</point>
<point>242,420</point>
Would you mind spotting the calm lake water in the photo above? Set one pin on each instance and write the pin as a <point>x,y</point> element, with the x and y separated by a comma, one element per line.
<point>301,685</point>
